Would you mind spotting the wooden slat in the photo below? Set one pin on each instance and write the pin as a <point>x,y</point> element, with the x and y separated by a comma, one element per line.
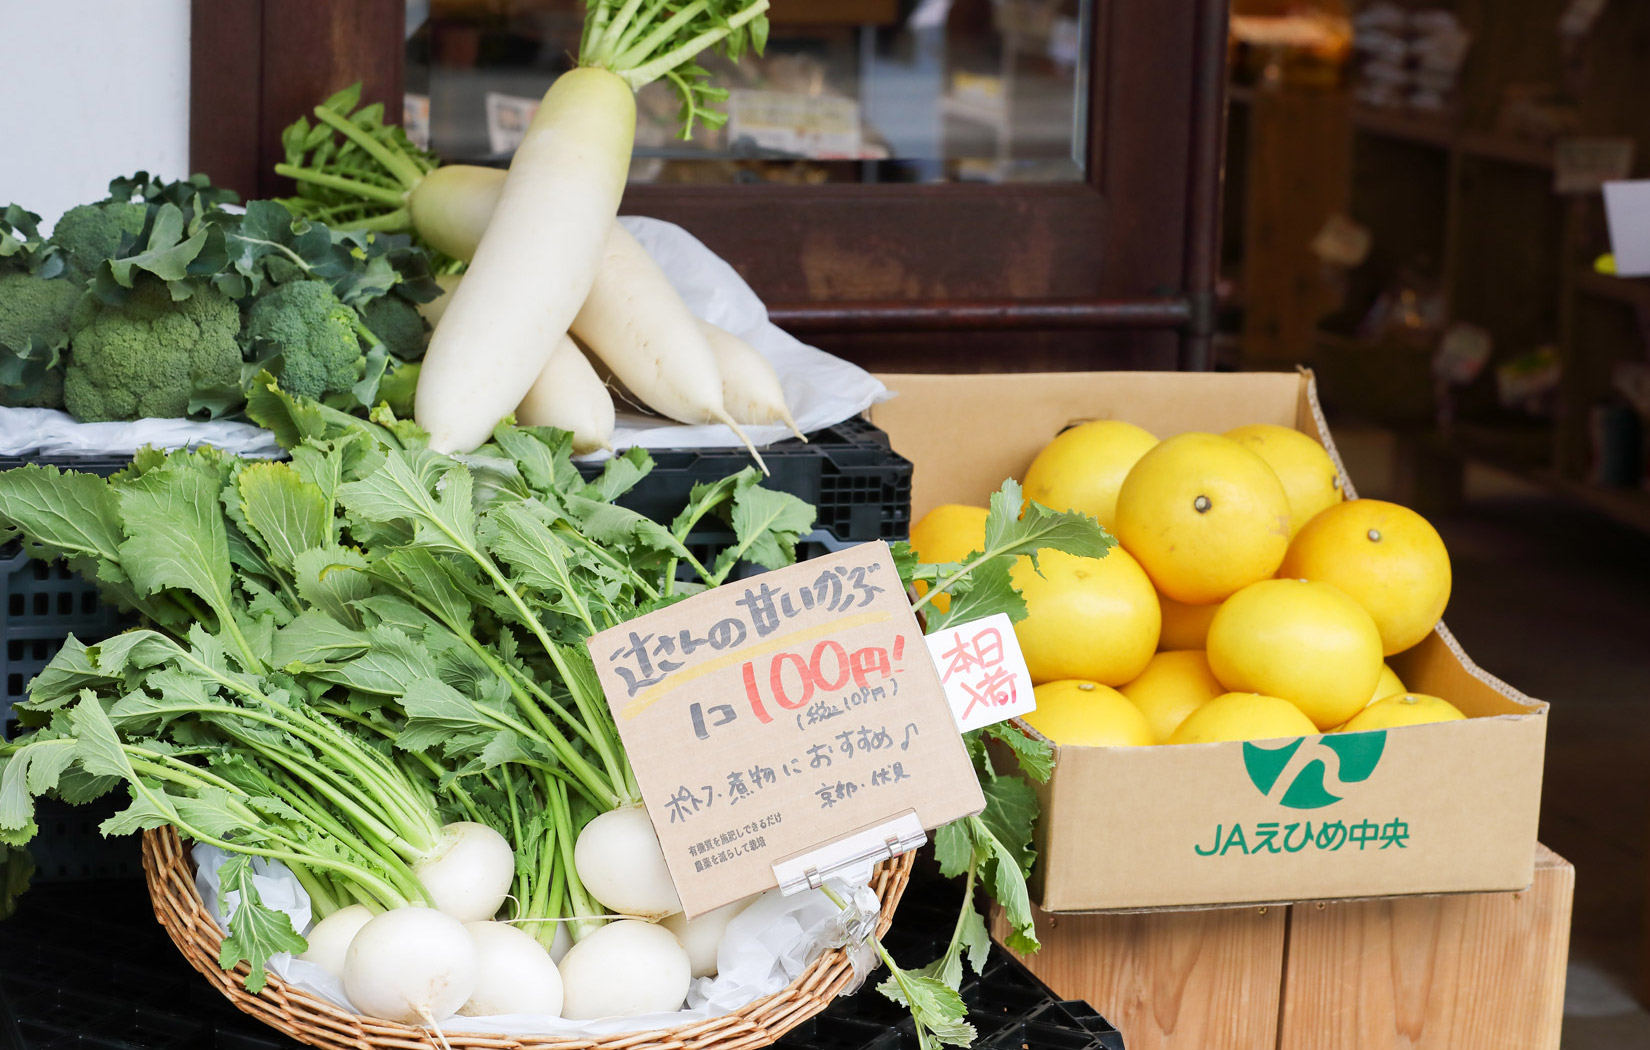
<point>1472,972</point>
<point>1197,980</point>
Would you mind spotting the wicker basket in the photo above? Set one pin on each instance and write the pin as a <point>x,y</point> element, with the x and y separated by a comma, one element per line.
<point>309,1019</point>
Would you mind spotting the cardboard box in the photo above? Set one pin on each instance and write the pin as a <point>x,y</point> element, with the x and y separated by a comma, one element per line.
<point>1427,809</point>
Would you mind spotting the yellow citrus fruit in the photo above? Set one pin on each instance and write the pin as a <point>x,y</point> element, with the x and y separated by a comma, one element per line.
<point>1204,515</point>
<point>1184,626</point>
<point>1087,714</point>
<point>1089,618</point>
<point>1302,640</point>
<point>1083,468</point>
<point>949,532</point>
<point>1386,557</point>
<point>1405,709</point>
<point>1389,684</point>
<point>1242,716</point>
<point>1309,477</point>
<point>1171,687</point>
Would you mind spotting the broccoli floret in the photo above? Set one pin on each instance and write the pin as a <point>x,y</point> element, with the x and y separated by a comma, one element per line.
<point>34,326</point>
<point>315,336</point>
<point>90,233</point>
<point>398,325</point>
<point>148,355</point>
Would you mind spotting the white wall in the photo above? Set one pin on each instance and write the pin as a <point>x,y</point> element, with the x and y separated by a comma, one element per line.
<point>90,89</point>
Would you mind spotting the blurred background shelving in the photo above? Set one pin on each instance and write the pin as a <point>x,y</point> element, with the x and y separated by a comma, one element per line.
<point>1417,158</point>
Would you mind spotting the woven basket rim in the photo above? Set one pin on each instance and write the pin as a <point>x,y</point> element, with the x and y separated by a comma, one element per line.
<point>169,873</point>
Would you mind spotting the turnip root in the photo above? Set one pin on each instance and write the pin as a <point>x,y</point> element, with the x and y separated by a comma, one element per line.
<point>625,968</point>
<point>329,939</point>
<point>470,873</point>
<point>514,974</point>
<point>412,965</point>
<point>620,863</point>
<point>750,387</point>
<point>569,395</point>
<point>702,937</point>
<point>636,323</point>
<point>536,262</point>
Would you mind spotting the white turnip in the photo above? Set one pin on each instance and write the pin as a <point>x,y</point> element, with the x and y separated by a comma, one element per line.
<point>625,968</point>
<point>514,974</point>
<point>329,939</point>
<point>469,874</point>
<point>412,965</point>
<point>702,937</point>
<point>620,863</point>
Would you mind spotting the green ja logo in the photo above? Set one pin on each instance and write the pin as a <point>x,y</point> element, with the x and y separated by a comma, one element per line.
<point>1318,770</point>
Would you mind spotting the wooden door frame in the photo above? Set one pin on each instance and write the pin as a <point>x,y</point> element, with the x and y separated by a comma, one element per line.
<point>1131,249</point>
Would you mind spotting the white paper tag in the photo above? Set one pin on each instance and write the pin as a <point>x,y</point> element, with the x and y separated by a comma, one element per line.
<point>983,671</point>
<point>1627,205</point>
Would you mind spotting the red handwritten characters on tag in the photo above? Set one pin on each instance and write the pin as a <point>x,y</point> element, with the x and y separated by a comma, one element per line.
<point>977,662</point>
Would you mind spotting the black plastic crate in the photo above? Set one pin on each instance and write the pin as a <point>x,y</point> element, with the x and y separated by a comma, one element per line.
<point>61,986</point>
<point>860,485</point>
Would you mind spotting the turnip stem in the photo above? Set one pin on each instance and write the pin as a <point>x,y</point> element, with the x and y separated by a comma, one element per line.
<point>339,182</point>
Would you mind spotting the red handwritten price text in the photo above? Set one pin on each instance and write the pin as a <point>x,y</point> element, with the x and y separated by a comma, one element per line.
<point>810,674</point>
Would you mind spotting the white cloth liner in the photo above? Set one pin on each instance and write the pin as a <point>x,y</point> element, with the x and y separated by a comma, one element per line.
<point>766,947</point>
<point>821,390</point>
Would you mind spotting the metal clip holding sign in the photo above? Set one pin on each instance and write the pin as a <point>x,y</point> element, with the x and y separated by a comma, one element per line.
<point>851,858</point>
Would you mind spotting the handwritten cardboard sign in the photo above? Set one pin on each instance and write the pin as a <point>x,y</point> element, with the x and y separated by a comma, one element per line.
<point>983,671</point>
<point>779,714</point>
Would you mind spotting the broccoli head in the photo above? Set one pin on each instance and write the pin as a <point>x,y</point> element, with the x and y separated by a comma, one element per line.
<point>34,326</point>
<point>313,336</point>
<point>147,356</point>
<point>398,325</point>
<point>90,233</point>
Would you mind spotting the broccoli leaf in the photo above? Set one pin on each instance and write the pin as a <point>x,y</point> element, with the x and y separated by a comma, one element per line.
<point>255,932</point>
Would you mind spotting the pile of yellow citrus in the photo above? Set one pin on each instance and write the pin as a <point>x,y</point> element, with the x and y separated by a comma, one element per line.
<point>1247,598</point>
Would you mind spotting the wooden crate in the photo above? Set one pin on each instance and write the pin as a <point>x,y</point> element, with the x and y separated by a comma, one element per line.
<point>1478,971</point>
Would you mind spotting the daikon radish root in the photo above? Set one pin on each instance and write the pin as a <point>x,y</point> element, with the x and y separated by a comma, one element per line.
<point>432,310</point>
<point>569,395</point>
<point>636,323</point>
<point>536,262</point>
<point>751,391</point>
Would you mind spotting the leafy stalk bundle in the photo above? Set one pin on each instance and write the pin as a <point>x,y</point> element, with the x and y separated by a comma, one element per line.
<point>344,651</point>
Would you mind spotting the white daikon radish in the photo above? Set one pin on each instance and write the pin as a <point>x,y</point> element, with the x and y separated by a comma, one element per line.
<point>514,974</point>
<point>469,874</point>
<point>432,310</point>
<point>701,937</point>
<point>412,965</point>
<point>536,262</point>
<point>621,864</point>
<point>570,395</point>
<point>750,387</point>
<point>636,323</point>
<point>452,205</point>
<point>625,968</point>
<point>329,939</point>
